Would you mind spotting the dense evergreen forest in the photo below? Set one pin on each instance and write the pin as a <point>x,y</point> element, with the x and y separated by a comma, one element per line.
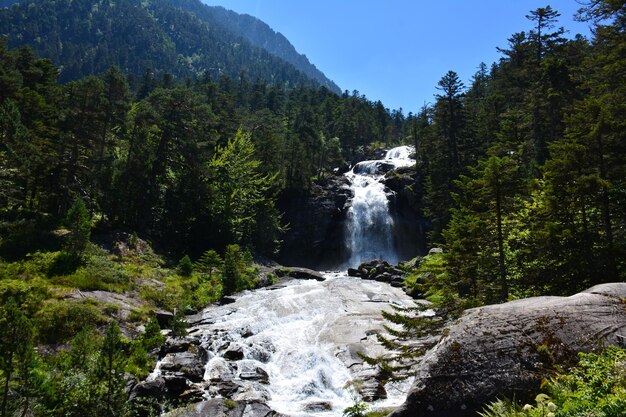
<point>523,173</point>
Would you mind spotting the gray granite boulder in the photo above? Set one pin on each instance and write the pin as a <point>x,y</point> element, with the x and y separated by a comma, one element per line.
<point>507,349</point>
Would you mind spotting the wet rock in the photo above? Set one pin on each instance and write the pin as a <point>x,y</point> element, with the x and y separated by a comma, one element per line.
<point>298,273</point>
<point>249,370</point>
<point>234,352</point>
<point>506,349</point>
<point>318,407</point>
<point>175,345</point>
<point>191,363</point>
<point>352,272</point>
<point>378,270</point>
<point>227,300</point>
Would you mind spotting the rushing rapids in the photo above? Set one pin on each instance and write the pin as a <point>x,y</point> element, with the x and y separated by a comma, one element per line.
<point>295,346</point>
<point>369,231</point>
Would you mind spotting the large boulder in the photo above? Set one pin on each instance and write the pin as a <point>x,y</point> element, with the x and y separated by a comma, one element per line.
<point>506,349</point>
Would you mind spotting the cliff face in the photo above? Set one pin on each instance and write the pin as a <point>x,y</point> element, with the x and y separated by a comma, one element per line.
<point>316,221</point>
<point>507,349</point>
<point>406,207</point>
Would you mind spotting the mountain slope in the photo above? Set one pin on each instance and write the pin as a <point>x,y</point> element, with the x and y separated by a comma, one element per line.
<point>86,37</point>
<point>259,34</point>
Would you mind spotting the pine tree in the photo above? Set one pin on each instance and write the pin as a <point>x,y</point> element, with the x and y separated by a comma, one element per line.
<point>110,372</point>
<point>78,221</point>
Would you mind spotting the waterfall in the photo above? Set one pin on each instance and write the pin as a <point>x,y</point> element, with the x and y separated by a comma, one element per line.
<point>369,229</point>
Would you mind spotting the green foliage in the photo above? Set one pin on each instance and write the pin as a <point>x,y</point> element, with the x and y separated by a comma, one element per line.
<point>596,387</point>
<point>208,263</point>
<point>78,221</point>
<point>178,324</point>
<point>231,275</point>
<point>236,274</point>
<point>358,408</point>
<point>240,196</point>
<point>59,320</point>
<point>16,345</point>
<point>152,337</point>
<point>185,266</point>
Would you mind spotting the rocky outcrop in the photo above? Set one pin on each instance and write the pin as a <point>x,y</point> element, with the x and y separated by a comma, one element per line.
<point>181,372</point>
<point>507,349</point>
<point>378,270</point>
<point>298,273</point>
<point>315,220</point>
<point>406,207</point>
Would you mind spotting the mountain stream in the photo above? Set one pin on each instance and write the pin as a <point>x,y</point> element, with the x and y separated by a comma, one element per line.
<point>296,345</point>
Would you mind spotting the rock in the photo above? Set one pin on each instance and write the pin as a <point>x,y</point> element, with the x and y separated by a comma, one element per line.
<point>342,169</point>
<point>249,370</point>
<point>216,407</point>
<point>227,388</point>
<point>234,352</point>
<point>164,318</point>
<point>407,208</point>
<point>315,238</point>
<point>378,270</point>
<point>372,390</point>
<point>397,281</point>
<point>175,345</point>
<point>298,273</point>
<point>152,389</point>
<point>227,300</point>
<point>318,407</point>
<point>190,364</point>
<point>353,272</point>
<point>506,349</point>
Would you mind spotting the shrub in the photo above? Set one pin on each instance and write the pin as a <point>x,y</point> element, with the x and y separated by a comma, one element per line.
<point>185,266</point>
<point>59,320</point>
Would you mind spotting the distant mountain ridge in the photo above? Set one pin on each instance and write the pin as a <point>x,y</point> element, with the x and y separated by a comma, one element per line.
<point>184,37</point>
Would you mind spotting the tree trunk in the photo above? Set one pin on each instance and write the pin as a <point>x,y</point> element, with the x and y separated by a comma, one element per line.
<point>504,287</point>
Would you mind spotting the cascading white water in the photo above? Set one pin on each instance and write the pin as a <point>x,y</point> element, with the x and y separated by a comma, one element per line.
<point>305,336</point>
<point>369,233</point>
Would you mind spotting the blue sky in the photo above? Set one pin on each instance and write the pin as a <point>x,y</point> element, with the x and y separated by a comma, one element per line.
<point>396,50</point>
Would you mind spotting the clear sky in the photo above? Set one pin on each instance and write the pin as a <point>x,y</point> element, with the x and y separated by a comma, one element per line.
<point>397,50</point>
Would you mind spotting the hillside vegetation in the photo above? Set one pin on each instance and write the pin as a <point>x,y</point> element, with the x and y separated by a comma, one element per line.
<point>184,38</point>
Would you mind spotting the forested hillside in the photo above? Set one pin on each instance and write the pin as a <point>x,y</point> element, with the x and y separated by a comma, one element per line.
<point>183,38</point>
